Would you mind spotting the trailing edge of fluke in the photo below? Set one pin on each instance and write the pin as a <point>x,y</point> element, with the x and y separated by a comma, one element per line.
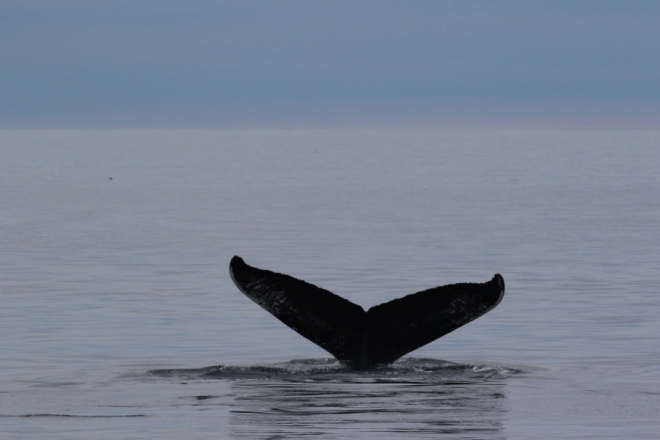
<point>363,339</point>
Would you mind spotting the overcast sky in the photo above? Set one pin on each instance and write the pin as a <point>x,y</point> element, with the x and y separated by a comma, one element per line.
<point>170,63</point>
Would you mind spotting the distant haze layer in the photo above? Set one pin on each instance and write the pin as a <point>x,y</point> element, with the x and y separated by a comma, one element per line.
<point>342,63</point>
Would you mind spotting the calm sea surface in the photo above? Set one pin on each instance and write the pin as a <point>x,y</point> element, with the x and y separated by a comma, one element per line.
<point>118,318</point>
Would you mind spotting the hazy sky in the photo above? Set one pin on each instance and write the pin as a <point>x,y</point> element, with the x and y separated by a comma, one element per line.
<point>136,63</point>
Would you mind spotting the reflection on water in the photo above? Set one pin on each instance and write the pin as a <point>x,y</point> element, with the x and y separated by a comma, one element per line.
<point>422,398</point>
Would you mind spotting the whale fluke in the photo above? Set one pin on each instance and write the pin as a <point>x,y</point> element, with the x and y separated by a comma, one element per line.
<point>362,339</point>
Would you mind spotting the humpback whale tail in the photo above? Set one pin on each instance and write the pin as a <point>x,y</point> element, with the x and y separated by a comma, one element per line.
<point>362,339</point>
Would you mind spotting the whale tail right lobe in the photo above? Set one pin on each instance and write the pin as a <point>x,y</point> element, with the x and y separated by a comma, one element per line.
<point>405,324</point>
<point>363,339</point>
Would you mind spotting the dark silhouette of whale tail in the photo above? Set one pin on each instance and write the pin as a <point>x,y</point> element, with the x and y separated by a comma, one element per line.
<point>362,339</point>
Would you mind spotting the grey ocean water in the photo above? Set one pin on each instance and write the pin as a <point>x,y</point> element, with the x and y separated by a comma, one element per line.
<point>118,318</point>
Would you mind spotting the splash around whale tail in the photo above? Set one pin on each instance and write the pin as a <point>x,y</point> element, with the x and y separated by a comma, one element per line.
<point>362,339</point>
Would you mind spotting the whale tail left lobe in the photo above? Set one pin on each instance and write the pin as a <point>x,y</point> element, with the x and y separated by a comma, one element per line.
<point>363,339</point>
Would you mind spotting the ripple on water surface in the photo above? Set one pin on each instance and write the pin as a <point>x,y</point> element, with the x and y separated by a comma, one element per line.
<point>408,370</point>
<point>426,397</point>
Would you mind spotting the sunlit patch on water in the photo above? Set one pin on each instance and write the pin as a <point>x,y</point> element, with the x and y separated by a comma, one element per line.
<point>407,370</point>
